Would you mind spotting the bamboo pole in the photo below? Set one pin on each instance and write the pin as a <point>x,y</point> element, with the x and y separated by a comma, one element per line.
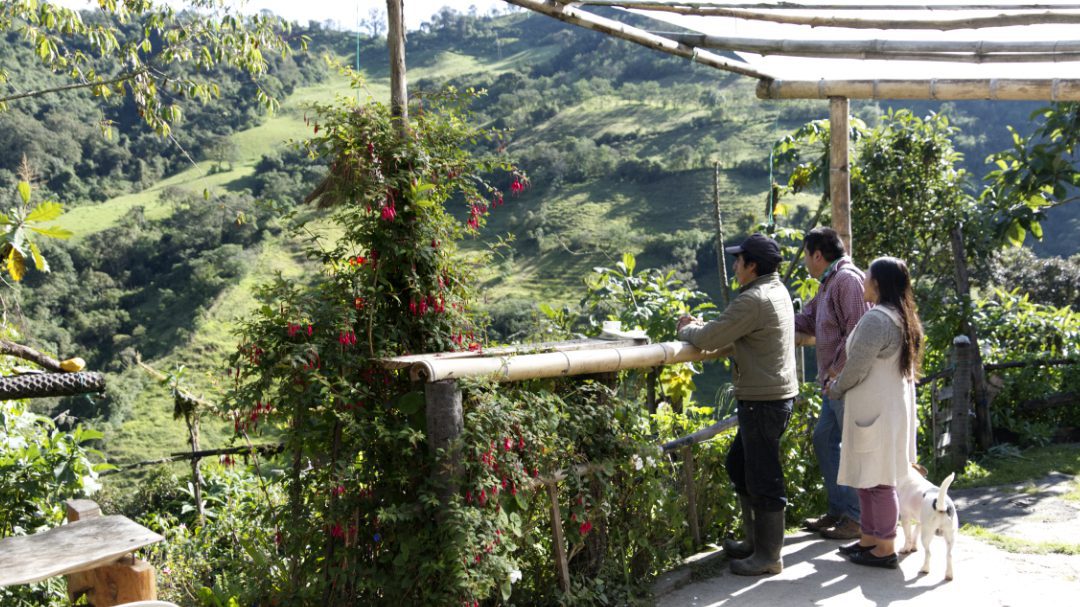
<point>636,35</point>
<point>560,364</point>
<point>691,493</point>
<point>832,6</point>
<point>1046,89</point>
<point>720,262</point>
<point>1000,20</point>
<point>839,173</point>
<point>395,41</point>
<point>558,543</point>
<point>865,55</point>
<point>768,46</point>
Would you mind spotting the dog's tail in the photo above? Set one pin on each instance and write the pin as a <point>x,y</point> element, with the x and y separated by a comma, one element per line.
<point>940,500</point>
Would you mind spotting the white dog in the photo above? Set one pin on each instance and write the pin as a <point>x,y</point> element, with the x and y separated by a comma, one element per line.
<point>929,508</point>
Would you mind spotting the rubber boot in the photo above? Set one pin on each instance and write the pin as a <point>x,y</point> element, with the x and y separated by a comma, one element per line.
<point>768,541</point>
<point>736,549</point>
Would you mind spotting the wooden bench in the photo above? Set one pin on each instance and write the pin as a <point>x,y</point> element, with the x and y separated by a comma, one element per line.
<point>94,552</point>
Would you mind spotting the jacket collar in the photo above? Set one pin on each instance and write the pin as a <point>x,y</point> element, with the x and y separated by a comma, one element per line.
<point>834,267</point>
<point>761,280</point>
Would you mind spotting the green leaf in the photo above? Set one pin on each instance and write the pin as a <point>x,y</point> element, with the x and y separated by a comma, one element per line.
<point>39,260</point>
<point>504,588</point>
<point>1036,229</point>
<point>1015,234</point>
<point>629,261</point>
<point>54,232</point>
<point>24,192</point>
<point>46,211</point>
<point>411,402</point>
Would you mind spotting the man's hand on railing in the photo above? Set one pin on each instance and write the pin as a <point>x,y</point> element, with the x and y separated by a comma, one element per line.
<point>685,320</point>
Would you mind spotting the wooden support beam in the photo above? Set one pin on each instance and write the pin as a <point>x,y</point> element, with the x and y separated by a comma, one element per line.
<point>868,6</point>
<point>395,41</point>
<point>960,426</point>
<point>839,169</point>
<point>770,46</point>
<point>691,493</point>
<point>558,542</point>
<point>886,23</point>
<point>587,20</point>
<point>1046,89</point>
<point>984,434</point>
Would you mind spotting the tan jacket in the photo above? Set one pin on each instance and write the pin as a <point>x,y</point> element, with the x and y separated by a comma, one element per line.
<point>760,324</point>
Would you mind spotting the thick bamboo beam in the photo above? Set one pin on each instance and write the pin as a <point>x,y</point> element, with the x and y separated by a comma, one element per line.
<point>1056,89</point>
<point>1001,20</point>
<point>560,364</point>
<point>395,41</point>
<point>769,46</point>
<point>636,35</point>
<point>978,58</point>
<point>839,173</point>
<point>827,6</point>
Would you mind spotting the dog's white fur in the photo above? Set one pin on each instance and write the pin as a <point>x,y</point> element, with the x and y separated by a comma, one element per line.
<point>928,508</point>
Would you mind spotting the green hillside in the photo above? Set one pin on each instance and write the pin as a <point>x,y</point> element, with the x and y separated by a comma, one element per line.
<point>619,143</point>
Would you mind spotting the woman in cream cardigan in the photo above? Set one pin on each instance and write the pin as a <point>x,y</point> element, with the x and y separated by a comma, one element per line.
<point>878,387</point>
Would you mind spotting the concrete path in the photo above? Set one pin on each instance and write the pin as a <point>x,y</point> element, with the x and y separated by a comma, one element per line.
<point>815,574</point>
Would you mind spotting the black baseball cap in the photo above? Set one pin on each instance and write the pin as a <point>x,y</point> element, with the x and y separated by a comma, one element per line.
<point>758,247</point>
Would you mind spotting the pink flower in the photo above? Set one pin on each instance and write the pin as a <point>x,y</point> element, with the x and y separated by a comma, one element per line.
<point>310,330</point>
<point>508,444</point>
<point>339,490</point>
<point>389,212</point>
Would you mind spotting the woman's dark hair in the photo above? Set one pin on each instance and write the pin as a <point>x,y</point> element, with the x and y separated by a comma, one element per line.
<point>826,240</point>
<point>894,289</point>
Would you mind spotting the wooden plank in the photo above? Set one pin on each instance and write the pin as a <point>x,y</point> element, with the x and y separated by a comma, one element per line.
<point>691,493</point>
<point>70,548</point>
<point>120,583</point>
<point>402,362</point>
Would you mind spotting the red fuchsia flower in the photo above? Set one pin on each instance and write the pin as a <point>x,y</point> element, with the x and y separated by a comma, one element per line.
<point>357,261</point>
<point>359,303</point>
<point>388,212</point>
<point>440,305</point>
<point>585,527</point>
<point>434,244</point>
<point>347,338</point>
<point>412,307</point>
<point>517,185</point>
<point>468,497</point>
<point>483,497</point>
<point>339,490</point>
<point>474,347</point>
<point>293,329</point>
<point>337,531</point>
<point>473,223</point>
<point>513,489</point>
<point>497,200</point>
<point>521,443</point>
<point>310,330</point>
<point>508,444</point>
<point>422,307</point>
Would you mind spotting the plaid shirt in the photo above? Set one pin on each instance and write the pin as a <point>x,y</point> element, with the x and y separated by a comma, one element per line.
<point>832,314</point>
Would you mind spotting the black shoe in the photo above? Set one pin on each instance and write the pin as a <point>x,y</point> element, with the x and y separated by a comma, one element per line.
<point>868,559</point>
<point>851,549</point>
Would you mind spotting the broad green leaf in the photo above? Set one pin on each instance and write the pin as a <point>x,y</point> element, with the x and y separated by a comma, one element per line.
<point>629,261</point>
<point>46,211</point>
<point>24,192</point>
<point>39,260</point>
<point>53,232</point>
<point>1036,229</point>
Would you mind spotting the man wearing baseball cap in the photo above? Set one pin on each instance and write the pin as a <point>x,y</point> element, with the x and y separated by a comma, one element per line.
<point>757,329</point>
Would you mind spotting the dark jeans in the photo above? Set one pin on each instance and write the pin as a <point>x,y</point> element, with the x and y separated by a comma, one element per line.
<point>753,463</point>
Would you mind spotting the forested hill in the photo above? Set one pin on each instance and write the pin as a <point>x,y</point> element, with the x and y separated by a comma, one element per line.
<point>173,234</point>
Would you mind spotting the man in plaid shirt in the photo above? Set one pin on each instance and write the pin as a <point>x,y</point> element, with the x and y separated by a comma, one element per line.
<point>830,317</point>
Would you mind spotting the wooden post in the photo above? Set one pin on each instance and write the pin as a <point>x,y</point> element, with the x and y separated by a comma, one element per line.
<point>960,428</point>
<point>839,169</point>
<point>691,493</point>
<point>445,422</point>
<point>720,261</point>
<point>395,41</point>
<point>558,543</point>
<point>651,379</point>
<point>124,581</point>
<point>984,432</point>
